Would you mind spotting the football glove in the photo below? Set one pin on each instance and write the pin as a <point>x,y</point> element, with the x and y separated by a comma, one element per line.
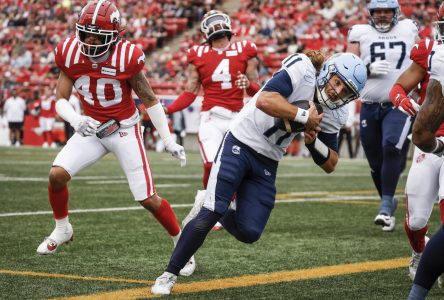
<point>177,151</point>
<point>84,125</point>
<point>379,67</point>
<point>407,105</point>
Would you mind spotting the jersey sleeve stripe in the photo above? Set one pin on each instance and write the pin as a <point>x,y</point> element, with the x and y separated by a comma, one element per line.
<point>130,52</point>
<point>114,58</point>
<point>207,48</point>
<point>77,57</point>
<point>122,57</point>
<point>199,51</point>
<point>64,45</point>
<point>239,47</point>
<point>69,54</point>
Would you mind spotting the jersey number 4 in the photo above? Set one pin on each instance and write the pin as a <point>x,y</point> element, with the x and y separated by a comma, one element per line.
<point>222,74</point>
<point>381,55</point>
<point>108,91</point>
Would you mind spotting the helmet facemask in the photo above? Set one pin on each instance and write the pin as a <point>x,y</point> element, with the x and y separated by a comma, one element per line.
<point>106,37</point>
<point>215,24</point>
<point>384,26</point>
<point>439,31</point>
<point>328,95</point>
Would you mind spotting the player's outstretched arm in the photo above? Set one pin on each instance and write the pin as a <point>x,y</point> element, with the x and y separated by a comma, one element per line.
<point>428,120</point>
<point>189,94</point>
<point>155,111</point>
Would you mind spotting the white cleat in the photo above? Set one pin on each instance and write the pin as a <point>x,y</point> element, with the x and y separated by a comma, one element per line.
<point>189,268</point>
<point>391,227</point>
<point>51,243</point>
<point>198,203</point>
<point>382,220</point>
<point>414,262</point>
<point>164,283</point>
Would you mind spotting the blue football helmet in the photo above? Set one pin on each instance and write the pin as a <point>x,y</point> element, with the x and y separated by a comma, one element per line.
<point>351,71</point>
<point>383,4</point>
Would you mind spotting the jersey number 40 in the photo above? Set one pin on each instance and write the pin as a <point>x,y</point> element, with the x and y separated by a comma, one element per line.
<point>108,91</point>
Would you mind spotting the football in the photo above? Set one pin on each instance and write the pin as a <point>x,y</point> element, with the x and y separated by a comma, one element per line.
<point>292,126</point>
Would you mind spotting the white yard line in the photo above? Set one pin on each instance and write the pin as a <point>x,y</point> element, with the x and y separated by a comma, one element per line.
<point>73,211</point>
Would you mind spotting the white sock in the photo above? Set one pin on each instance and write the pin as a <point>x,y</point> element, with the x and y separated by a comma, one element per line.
<point>62,224</point>
<point>176,238</point>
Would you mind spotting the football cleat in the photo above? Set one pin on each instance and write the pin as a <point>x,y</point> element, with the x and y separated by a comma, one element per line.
<point>198,203</point>
<point>189,268</point>
<point>390,227</point>
<point>164,283</point>
<point>414,261</point>
<point>382,220</point>
<point>57,238</point>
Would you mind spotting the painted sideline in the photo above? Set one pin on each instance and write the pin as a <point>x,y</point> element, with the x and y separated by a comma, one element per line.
<point>252,280</point>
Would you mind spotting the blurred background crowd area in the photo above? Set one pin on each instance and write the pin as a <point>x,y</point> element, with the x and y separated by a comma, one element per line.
<point>165,30</point>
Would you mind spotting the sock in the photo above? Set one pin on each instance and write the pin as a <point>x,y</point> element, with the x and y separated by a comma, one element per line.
<point>45,136</point>
<point>167,218</point>
<point>386,205</point>
<point>192,237</point>
<point>61,224</point>
<point>49,137</point>
<point>206,175</point>
<point>416,237</point>
<point>417,293</point>
<point>431,265</point>
<point>176,238</point>
<point>59,201</point>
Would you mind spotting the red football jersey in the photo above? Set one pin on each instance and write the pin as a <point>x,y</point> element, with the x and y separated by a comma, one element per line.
<point>103,87</point>
<point>47,107</point>
<point>420,55</point>
<point>218,71</point>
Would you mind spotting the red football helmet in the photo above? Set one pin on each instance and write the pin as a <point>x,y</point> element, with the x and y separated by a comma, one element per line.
<point>439,25</point>
<point>98,27</point>
<point>215,22</point>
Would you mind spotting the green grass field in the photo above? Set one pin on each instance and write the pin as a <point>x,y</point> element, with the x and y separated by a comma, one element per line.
<point>320,242</point>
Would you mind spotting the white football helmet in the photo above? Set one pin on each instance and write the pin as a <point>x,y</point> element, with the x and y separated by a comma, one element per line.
<point>214,24</point>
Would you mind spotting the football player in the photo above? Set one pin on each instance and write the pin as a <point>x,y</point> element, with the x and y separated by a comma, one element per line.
<point>428,121</point>
<point>252,148</point>
<point>45,109</point>
<point>384,45</point>
<point>424,182</point>
<point>225,70</point>
<point>104,69</point>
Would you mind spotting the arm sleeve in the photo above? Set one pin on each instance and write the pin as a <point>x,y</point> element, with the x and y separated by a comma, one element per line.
<point>329,139</point>
<point>280,83</point>
<point>251,50</point>
<point>353,34</point>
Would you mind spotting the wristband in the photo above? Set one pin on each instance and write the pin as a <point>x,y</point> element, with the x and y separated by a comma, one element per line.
<point>160,122</point>
<point>252,89</point>
<point>301,116</point>
<point>319,152</point>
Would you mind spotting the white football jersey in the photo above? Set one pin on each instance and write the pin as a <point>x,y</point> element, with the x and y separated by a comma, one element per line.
<point>436,64</point>
<point>258,130</point>
<point>393,46</point>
